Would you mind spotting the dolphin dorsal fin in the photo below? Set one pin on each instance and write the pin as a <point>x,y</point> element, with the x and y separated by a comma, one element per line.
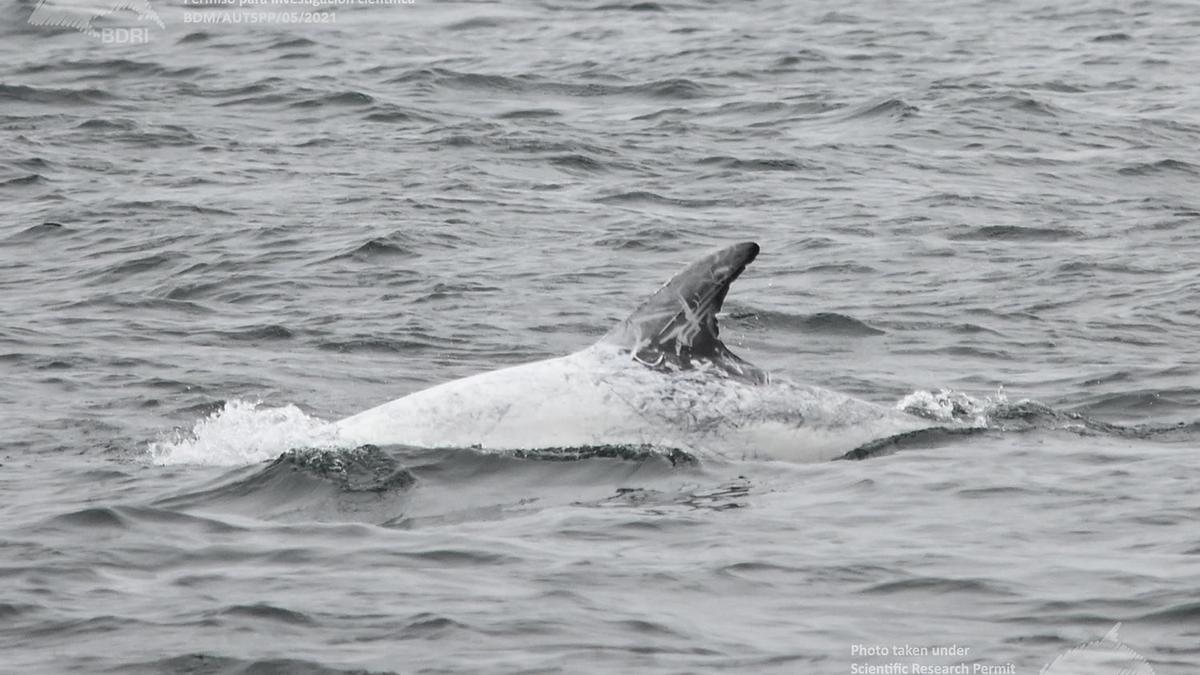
<point>677,326</point>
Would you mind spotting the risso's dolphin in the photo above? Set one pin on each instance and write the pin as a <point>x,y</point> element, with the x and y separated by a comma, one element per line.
<point>661,378</point>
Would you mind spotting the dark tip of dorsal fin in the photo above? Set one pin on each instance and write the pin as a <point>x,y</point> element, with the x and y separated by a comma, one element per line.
<point>678,324</point>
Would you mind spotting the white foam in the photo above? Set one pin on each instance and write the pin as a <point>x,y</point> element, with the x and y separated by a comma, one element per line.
<point>948,405</point>
<point>244,432</point>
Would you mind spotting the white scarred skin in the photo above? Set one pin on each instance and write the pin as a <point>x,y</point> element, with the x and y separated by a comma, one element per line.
<point>602,396</point>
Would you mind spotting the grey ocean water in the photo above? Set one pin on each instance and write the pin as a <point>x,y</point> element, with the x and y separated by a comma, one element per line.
<point>213,241</point>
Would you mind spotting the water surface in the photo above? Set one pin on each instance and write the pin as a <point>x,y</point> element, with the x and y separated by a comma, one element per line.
<point>215,241</point>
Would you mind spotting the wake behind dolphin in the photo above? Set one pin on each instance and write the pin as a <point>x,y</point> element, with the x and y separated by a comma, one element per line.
<point>662,377</point>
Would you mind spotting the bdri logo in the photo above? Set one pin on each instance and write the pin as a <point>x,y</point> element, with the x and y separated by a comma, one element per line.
<point>1106,656</point>
<point>79,14</point>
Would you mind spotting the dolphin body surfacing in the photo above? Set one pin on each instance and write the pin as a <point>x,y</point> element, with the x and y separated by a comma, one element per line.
<point>661,377</point>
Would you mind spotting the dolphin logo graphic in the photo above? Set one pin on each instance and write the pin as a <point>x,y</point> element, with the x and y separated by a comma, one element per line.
<point>1106,656</point>
<point>79,14</point>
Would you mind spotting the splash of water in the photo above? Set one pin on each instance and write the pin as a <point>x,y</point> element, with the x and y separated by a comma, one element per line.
<point>947,405</point>
<point>244,432</point>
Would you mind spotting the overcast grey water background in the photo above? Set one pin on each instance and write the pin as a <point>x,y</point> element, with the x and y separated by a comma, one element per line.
<point>211,242</point>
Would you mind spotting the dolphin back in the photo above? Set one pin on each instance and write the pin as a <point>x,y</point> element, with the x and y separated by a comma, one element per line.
<point>676,328</point>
